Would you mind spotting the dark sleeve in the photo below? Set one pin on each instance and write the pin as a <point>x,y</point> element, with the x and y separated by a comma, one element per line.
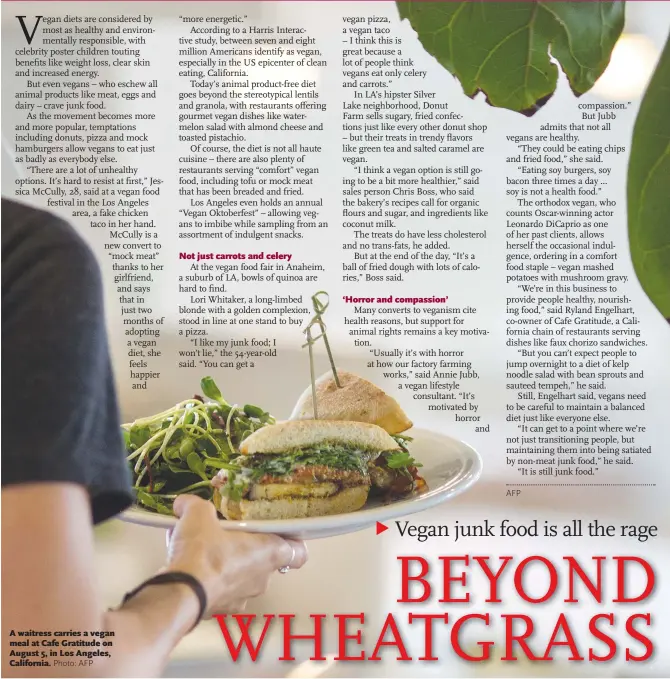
<point>60,420</point>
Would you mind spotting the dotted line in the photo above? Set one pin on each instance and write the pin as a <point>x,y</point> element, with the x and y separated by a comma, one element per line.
<point>580,484</point>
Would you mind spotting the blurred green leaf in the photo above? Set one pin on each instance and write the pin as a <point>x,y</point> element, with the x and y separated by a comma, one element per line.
<point>503,48</point>
<point>206,447</point>
<point>139,436</point>
<point>254,411</point>
<point>176,469</point>
<point>195,464</point>
<point>146,499</point>
<point>211,391</point>
<point>401,459</point>
<point>649,188</point>
<point>162,508</point>
<point>186,448</point>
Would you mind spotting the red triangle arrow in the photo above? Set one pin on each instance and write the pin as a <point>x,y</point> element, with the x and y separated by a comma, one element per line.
<point>381,528</point>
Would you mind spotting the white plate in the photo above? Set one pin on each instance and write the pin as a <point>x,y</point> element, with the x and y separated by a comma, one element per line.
<point>449,467</point>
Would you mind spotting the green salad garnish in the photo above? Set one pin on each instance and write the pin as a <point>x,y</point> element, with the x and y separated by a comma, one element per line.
<point>180,449</point>
<point>252,468</point>
<point>329,455</point>
<point>401,459</point>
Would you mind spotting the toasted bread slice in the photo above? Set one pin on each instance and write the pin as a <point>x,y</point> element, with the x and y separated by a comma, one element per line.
<point>294,434</point>
<point>357,400</point>
<point>347,500</point>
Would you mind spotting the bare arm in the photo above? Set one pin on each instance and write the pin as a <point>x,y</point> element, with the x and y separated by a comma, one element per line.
<point>68,470</point>
<point>48,581</point>
<point>50,586</point>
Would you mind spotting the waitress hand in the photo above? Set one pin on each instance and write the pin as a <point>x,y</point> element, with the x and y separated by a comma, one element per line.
<point>232,566</point>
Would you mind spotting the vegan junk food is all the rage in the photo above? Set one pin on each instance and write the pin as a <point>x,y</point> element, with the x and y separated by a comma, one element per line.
<point>181,449</point>
<point>304,468</point>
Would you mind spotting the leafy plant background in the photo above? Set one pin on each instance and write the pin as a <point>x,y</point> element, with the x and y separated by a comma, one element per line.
<point>503,49</point>
<point>649,188</point>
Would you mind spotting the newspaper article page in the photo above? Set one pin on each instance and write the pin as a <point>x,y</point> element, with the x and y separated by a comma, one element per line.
<point>335,339</point>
